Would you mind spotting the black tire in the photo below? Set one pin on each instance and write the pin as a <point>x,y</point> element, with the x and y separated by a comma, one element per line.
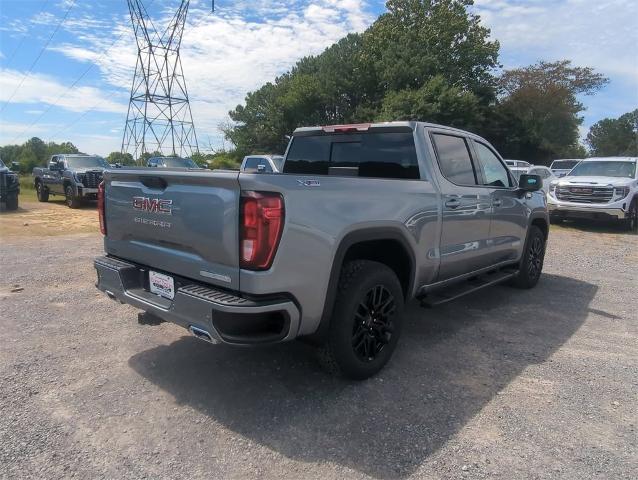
<point>12,202</point>
<point>531,265</point>
<point>361,339</point>
<point>42,192</point>
<point>71,200</point>
<point>631,222</point>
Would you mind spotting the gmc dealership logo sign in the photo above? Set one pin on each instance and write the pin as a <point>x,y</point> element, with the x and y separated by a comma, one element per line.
<point>153,205</point>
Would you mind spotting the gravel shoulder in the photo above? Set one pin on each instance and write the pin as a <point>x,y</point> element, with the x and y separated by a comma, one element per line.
<point>501,384</point>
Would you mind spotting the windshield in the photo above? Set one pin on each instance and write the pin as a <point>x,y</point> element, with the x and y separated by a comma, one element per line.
<point>2,165</point>
<point>86,162</point>
<point>604,169</point>
<point>278,160</point>
<point>176,162</point>
<point>564,164</point>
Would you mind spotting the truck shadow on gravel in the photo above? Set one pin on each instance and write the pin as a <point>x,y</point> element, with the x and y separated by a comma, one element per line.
<point>450,363</point>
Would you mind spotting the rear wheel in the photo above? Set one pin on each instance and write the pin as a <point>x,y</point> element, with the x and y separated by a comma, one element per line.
<point>42,192</point>
<point>531,265</point>
<point>71,200</point>
<point>366,321</point>
<point>631,222</point>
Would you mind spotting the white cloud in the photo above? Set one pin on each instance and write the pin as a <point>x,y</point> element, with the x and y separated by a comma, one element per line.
<point>38,88</point>
<point>601,34</point>
<point>226,55</point>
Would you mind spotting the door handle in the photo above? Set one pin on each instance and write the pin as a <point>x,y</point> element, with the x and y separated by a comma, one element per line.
<point>453,203</point>
<point>497,202</point>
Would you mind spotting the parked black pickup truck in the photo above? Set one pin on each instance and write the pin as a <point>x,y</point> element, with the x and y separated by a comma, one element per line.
<point>75,176</point>
<point>9,188</point>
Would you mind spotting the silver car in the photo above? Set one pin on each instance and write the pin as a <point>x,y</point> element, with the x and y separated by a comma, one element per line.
<point>546,175</point>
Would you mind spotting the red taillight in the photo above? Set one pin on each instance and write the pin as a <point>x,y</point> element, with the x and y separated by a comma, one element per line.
<point>100,207</point>
<point>262,220</point>
<point>353,127</point>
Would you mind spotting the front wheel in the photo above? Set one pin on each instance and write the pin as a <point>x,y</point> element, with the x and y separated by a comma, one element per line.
<point>631,222</point>
<point>531,265</point>
<point>366,320</point>
<point>42,192</point>
<point>71,200</point>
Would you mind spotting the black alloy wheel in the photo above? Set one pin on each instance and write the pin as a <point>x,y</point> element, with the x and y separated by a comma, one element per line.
<point>373,326</point>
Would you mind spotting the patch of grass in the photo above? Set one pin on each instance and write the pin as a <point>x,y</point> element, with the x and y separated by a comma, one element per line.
<point>26,182</point>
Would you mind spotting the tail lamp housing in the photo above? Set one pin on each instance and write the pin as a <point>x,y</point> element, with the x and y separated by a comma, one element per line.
<point>261,224</point>
<point>100,207</point>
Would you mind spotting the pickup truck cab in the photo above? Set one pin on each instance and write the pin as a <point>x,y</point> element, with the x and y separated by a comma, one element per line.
<point>598,188</point>
<point>362,219</point>
<point>75,176</point>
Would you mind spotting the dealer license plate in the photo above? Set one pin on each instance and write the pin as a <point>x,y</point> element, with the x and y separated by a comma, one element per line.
<point>162,285</point>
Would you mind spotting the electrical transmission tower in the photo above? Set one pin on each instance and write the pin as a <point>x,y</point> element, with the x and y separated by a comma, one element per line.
<point>159,115</point>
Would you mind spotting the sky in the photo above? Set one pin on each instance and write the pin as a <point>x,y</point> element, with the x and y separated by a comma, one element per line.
<point>66,66</point>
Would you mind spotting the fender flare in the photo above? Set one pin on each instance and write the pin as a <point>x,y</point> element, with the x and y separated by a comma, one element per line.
<point>350,239</point>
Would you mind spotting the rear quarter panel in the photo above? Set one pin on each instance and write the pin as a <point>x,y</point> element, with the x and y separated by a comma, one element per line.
<point>318,218</point>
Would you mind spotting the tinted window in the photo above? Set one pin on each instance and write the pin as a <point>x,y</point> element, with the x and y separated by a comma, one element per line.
<point>494,171</point>
<point>454,159</point>
<point>540,171</point>
<point>564,164</point>
<point>605,169</point>
<point>381,155</point>
<point>176,162</point>
<point>86,162</point>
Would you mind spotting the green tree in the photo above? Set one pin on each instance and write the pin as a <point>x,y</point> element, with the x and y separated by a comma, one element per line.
<point>538,113</point>
<point>615,136</point>
<point>121,158</point>
<point>435,101</point>
<point>428,51</point>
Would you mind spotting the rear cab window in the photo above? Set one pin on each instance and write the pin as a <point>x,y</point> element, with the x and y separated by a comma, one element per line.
<point>376,153</point>
<point>453,156</point>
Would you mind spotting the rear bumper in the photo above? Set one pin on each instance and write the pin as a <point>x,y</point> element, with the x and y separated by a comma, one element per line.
<point>227,317</point>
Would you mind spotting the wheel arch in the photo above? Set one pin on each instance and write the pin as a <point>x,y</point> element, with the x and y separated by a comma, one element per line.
<point>387,245</point>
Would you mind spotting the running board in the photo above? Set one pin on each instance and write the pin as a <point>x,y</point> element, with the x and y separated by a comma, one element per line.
<point>452,292</point>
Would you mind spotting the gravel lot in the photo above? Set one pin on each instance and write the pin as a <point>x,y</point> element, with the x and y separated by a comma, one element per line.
<point>501,384</point>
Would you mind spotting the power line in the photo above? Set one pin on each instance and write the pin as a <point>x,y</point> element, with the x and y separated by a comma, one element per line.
<point>39,55</point>
<point>24,36</point>
<point>96,105</point>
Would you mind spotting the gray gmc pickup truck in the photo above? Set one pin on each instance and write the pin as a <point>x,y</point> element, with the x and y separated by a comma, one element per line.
<point>362,219</point>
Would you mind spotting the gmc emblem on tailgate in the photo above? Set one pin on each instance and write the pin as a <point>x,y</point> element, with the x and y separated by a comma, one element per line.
<point>153,205</point>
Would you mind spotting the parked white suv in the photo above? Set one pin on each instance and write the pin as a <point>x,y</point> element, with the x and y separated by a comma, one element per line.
<point>605,188</point>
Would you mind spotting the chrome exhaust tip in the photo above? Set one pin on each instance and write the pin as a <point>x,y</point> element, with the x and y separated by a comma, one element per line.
<point>201,334</point>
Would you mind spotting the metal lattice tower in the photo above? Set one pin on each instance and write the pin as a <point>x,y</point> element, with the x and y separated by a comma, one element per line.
<point>159,115</point>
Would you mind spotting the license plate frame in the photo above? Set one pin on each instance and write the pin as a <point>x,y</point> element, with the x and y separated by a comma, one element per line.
<point>161,284</point>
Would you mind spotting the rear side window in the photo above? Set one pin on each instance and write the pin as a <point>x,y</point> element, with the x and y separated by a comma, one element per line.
<point>380,155</point>
<point>454,159</point>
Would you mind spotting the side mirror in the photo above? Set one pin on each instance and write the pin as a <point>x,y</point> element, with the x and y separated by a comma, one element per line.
<point>530,183</point>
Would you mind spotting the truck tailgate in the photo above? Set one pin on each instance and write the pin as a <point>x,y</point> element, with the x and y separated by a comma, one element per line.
<point>181,222</point>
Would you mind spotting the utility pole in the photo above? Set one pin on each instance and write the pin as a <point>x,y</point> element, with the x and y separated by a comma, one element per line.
<point>159,114</point>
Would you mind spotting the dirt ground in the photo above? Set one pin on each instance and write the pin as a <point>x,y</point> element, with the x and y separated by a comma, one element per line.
<point>502,384</point>
<point>33,219</point>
